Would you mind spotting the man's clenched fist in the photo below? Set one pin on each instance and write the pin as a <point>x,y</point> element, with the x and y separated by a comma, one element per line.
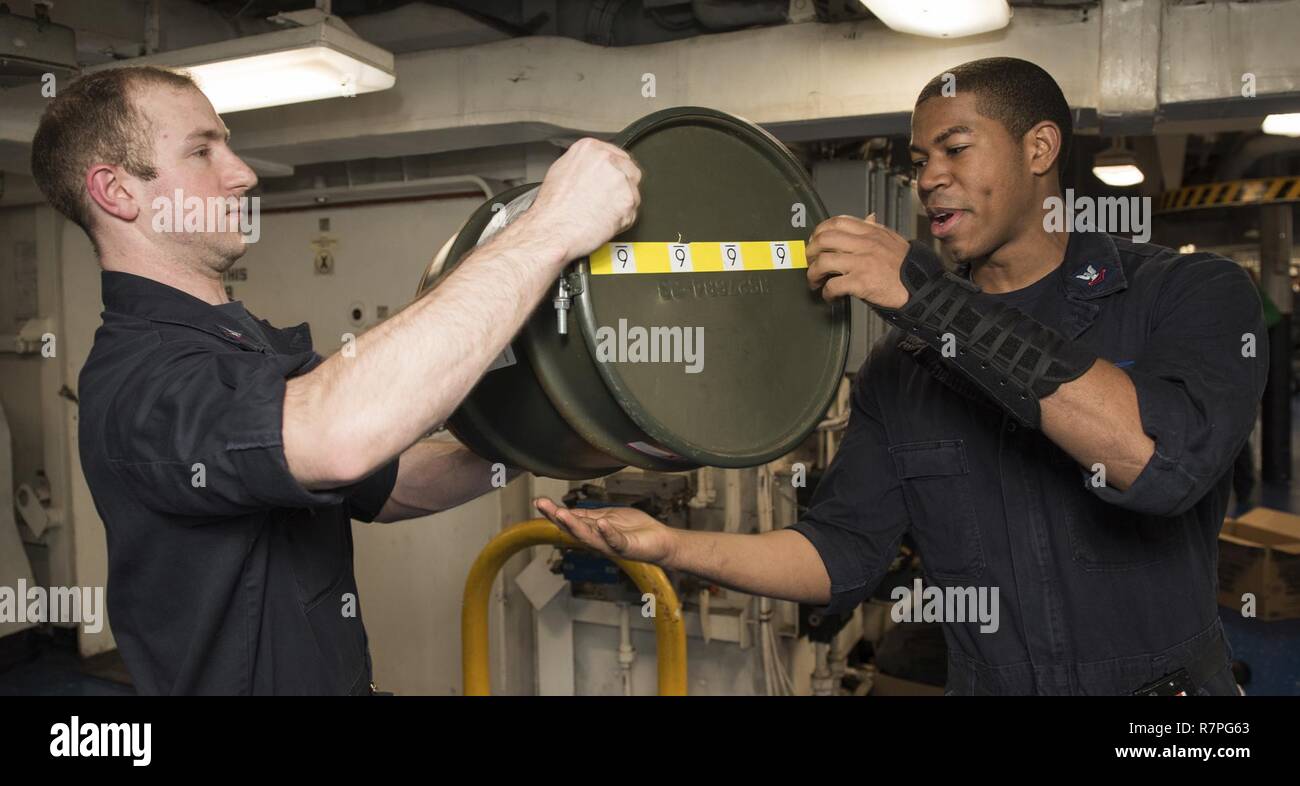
<point>589,195</point>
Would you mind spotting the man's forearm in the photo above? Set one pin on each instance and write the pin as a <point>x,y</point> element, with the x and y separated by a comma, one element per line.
<point>781,564</point>
<point>1096,419</point>
<point>1037,375</point>
<point>435,475</point>
<point>355,412</point>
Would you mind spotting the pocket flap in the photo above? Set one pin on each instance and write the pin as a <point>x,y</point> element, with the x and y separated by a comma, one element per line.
<point>927,459</point>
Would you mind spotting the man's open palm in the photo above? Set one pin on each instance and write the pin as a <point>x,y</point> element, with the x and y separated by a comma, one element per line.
<point>616,532</point>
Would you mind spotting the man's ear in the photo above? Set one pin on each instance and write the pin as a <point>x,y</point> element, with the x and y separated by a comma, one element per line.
<point>108,188</point>
<point>1043,146</point>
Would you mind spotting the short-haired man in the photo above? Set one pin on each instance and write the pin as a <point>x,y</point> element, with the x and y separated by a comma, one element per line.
<point>225,457</point>
<point>1056,420</point>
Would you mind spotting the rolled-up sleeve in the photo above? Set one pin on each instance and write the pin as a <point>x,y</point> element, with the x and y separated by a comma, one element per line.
<point>1199,379</point>
<point>371,493</point>
<point>197,432</point>
<point>858,515</point>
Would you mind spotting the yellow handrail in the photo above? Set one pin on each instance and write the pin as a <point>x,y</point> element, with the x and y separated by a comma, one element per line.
<point>670,629</point>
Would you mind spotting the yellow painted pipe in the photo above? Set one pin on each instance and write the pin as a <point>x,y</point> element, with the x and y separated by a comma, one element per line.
<point>670,629</point>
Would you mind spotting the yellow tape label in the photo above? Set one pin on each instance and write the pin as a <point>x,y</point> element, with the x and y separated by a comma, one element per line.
<point>618,258</point>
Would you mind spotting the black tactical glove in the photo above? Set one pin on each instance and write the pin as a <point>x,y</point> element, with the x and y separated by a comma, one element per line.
<point>1014,359</point>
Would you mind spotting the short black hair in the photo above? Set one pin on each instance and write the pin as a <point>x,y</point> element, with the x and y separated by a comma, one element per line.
<point>1016,93</point>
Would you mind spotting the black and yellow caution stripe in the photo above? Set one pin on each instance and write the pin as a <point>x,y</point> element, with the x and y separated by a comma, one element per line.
<point>1232,193</point>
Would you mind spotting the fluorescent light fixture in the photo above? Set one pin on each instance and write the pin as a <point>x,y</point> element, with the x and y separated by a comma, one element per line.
<point>307,63</point>
<point>1282,125</point>
<point>1120,176</point>
<point>941,18</point>
<point>1117,166</point>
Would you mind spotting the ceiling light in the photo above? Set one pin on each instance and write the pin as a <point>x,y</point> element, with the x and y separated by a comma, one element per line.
<point>1282,125</point>
<point>941,18</point>
<point>1117,166</point>
<point>323,59</point>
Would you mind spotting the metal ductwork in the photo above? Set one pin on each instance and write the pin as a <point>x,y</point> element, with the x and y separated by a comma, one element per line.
<point>1251,151</point>
<point>33,46</point>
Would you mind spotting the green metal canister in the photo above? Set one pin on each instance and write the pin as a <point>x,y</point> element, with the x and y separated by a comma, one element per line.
<point>716,249</point>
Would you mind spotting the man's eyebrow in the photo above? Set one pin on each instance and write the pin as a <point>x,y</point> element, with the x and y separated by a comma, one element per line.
<point>210,134</point>
<point>947,132</point>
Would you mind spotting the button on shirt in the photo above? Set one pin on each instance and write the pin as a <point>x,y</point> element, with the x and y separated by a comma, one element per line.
<point>226,575</point>
<point>1099,590</point>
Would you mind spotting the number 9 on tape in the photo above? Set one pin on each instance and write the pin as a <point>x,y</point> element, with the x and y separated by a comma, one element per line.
<point>679,257</point>
<point>780,255</point>
<point>622,258</point>
<point>731,257</point>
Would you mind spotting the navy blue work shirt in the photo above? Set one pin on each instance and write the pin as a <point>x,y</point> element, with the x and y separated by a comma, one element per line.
<point>1100,591</point>
<point>225,574</point>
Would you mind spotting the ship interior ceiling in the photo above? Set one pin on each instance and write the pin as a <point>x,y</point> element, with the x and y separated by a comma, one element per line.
<point>752,122</point>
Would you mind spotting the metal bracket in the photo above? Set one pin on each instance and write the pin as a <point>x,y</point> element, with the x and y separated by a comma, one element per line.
<point>32,512</point>
<point>562,302</point>
<point>569,287</point>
